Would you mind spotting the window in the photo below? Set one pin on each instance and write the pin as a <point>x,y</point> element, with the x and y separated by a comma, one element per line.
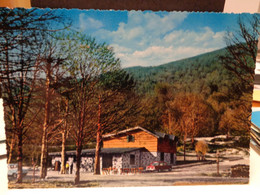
<point>171,158</point>
<point>132,159</point>
<point>162,156</point>
<point>130,138</point>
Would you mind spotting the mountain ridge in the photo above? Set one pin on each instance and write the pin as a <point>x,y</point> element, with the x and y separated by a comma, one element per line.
<point>187,70</point>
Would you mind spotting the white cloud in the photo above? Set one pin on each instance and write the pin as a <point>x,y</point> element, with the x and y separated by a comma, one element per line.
<point>150,39</point>
<point>174,46</point>
<point>89,23</point>
<point>153,51</point>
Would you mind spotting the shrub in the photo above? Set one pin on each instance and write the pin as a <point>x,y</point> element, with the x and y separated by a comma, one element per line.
<point>180,149</point>
<point>243,141</point>
<point>201,149</point>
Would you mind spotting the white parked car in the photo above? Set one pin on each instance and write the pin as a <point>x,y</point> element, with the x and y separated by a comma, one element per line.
<point>13,170</point>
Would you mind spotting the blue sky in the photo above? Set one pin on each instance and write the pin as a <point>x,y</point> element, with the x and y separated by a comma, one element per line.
<point>153,38</point>
<point>256,118</point>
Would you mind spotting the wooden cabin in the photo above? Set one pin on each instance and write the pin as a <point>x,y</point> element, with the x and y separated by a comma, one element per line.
<point>150,146</point>
<point>131,148</point>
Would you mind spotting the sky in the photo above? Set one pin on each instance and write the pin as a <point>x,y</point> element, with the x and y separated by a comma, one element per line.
<point>153,38</point>
<point>256,118</point>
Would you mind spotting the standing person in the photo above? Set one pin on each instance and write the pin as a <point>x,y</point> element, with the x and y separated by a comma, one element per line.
<point>71,168</point>
<point>67,167</point>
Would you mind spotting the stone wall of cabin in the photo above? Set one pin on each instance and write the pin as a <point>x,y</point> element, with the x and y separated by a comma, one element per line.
<point>87,164</point>
<point>148,157</point>
<point>117,161</point>
<point>142,159</point>
<point>167,158</point>
<point>126,160</point>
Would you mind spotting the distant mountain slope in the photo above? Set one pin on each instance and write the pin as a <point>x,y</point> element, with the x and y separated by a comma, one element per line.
<point>186,70</point>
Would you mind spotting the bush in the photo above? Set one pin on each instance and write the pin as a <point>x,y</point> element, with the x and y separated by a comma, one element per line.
<point>179,148</point>
<point>201,148</point>
<point>243,141</point>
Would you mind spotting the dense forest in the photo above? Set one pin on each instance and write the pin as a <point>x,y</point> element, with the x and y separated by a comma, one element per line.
<point>63,90</point>
<point>182,71</point>
<point>203,76</point>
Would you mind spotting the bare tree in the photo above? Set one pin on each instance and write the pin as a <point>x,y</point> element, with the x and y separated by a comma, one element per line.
<point>20,34</point>
<point>88,60</point>
<point>240,60</point>
<point>241,48</point>
<point>51,71</point>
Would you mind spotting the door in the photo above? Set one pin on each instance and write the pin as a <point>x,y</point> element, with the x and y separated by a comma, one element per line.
<point>107,161</point>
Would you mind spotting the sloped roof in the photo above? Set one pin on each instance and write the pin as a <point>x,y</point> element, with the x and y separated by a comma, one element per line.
<point>103,151</point>
<point>156,134</point>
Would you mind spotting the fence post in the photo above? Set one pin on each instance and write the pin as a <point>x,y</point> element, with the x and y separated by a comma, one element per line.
<point>217,162</point>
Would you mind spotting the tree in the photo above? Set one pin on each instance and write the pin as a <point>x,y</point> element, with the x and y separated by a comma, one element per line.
<point>21,32</point>
<point>150,113</point>
<point>64,133</point>
<point>192,117</point>
<point>164,95</point>
<point>51,62</point>
<point>241,53</point>
<point>88,60</point>
<point>234,121</point>
<point>64,105</point>
<point>116,103</point>
<point>201,149</point>
<point>240,60</point>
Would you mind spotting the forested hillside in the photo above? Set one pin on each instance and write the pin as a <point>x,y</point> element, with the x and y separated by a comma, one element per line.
<point>185,72</point>
<point>198,84</point>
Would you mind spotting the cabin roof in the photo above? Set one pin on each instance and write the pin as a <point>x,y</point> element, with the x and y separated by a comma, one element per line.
<point>156,134</point>
<point>103,151</point>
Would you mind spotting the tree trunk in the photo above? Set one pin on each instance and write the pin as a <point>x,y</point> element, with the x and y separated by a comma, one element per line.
<point>11,149</point>
<point>80,133</point>
<point>63,154</point>
<point>78,161</point>
<point>45,127</point>
<point>44,156</point>
<point>97,154</point>
<point>193,142</point>
<point>20,158</point>
<point>184,149</point>
<point>228,134</point>
<point>64,137</point>
<point>184,146</point>
<point>14,136</point>
<point>169,122</point>
<point>99,140</point>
